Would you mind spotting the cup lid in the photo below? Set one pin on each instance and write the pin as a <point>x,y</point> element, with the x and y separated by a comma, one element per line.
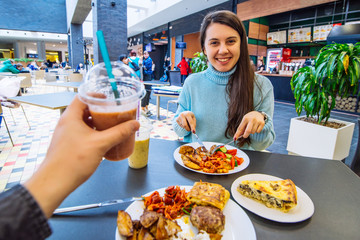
<point>97,87</point>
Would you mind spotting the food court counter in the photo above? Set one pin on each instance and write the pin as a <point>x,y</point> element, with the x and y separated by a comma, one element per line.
<point>282,88</point>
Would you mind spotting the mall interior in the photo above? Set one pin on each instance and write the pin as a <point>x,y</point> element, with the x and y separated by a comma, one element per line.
<point>56,45</point>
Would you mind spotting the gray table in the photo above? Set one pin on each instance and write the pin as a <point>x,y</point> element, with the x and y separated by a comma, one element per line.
<point>332,186</point>
<point>59,100</point>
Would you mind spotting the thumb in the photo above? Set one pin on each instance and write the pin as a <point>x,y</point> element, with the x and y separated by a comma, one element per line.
<point>117,134</point>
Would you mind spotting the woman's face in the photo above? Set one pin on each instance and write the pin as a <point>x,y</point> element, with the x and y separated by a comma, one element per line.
<point>146,55</point>
<point>222,46</point>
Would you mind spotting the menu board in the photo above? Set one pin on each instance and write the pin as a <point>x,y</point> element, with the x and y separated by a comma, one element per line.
<point>276,37</point>
<point>321,32</point>
<point>299,35</point>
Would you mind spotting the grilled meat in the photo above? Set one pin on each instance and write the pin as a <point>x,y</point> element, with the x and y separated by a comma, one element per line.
<point>209,219</point>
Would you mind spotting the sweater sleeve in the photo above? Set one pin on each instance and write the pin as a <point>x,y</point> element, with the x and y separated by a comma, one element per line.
<point>21,217</point>
<point>262,140</point>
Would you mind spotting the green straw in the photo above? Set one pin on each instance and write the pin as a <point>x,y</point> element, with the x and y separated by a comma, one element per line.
<point>106,58</point>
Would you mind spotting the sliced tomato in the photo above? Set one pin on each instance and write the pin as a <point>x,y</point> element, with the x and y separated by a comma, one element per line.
<point>232,151</point>
<point>221,154</point>
<point>239,160</point>
<point>232,163</point>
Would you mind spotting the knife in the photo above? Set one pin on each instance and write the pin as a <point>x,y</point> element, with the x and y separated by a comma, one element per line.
<point>200,142</point>
<point>96,205</point>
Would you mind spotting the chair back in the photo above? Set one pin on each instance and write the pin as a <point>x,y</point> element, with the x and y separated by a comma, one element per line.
<point>175,79</point>
<point>49,77</point>
<point>75,77</point>
<point>40,74</point>
<point>26,82</point>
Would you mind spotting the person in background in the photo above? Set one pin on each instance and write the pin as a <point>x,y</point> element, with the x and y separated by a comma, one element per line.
<point>184,69</point>
<point>25,208</point>
<point>65,63</point>
<point>123,58</point>
<point>33,66</point>
<point>227,101</point>
<point>21,68</point>
<point>135,63</point>
<point>261,66</point>
<point>43,66</point>
<point>253,67</point>
<point>147,65</point>
<point>80,67</point>
<point>167,68</point>
<point>153,71</point>
<point>8,67</point>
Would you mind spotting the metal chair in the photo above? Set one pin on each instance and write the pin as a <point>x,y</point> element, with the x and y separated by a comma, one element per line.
<point>176,81</point>
<point>3,116</point>
<point>355,164</point>
<point>50,77</point>
<point>7,129</point>
<point>26,82</point>
<point>75,77</point>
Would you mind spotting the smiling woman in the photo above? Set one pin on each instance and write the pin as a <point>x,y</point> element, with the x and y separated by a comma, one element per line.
<point>227,100</point>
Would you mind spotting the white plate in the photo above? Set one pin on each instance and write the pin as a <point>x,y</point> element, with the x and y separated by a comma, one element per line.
<point>237,223</point>
<point>304,209</point>
<point>208,145</point>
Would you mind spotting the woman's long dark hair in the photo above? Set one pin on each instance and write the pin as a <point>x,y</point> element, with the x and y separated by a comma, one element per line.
<point>240,87</point>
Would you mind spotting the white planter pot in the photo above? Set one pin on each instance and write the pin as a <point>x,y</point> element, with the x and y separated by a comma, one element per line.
<point>313,140</point>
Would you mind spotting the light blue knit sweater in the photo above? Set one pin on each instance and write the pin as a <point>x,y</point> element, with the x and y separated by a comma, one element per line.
<point>204,94</point>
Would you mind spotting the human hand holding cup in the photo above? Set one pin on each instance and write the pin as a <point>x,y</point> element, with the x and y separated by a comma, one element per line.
<point>107,110</point>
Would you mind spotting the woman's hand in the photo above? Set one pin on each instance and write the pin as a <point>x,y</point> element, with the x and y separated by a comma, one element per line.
<point>187,121</point>
<point>75,151</point>
<point>252,122</point>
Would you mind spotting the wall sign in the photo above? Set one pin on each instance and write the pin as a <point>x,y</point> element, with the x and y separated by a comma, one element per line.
<point>321,32</point>
<point>299,35</point>
<point>276,37</point>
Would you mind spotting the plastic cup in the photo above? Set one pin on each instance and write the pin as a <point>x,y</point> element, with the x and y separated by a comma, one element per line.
<point>139,158</point>
<point>105,109</point>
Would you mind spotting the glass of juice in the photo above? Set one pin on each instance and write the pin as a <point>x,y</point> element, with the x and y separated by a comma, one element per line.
<point>107,109</point>
<point>140,155</point>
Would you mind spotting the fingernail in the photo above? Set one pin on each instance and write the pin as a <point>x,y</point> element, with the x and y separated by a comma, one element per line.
<point>234,138</point>
<point>193,131</point>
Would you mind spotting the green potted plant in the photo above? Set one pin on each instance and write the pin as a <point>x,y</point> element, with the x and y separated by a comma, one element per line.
<point>336,73</point>
<point>199,62</point>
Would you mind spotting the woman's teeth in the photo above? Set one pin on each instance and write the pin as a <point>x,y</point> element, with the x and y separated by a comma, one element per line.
<point>223,59</point>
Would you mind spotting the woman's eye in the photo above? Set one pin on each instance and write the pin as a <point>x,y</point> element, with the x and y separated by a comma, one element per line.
<point>231,41</point>
<point>213,43</point>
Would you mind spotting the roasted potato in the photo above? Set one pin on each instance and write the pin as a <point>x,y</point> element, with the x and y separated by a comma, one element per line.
<point>172,227</point>
<point>161,232</point>
<point>187,162</point>
<point>124,224</point>
<point>195,158</point>
<point>144,235</point>
<point>148,218</point>
<point>134,236</point>
<point>186,149</point>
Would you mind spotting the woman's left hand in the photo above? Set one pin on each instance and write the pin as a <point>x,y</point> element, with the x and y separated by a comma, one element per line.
<point>252,122</point>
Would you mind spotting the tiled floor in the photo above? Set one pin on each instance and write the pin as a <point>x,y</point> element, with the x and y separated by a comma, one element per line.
<point>18,163</point>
